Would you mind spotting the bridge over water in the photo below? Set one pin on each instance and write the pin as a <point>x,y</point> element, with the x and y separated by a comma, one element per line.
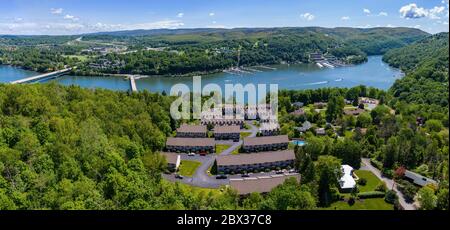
<point>42,76</point>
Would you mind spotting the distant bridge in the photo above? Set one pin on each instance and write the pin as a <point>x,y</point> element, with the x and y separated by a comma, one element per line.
<point>42,76</point>
<point>133,84</point>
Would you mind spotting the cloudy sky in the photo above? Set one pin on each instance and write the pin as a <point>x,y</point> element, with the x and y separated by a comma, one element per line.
<point>84,16</point>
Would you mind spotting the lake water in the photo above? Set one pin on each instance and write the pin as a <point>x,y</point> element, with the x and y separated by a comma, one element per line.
<point>374,73</point>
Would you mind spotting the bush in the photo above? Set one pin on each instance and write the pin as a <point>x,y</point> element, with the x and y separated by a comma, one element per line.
<point>374,194</point>
<point>376,164</point>
<point>391,197</point>
<point>351,201</point>
<point>387,173</point>
<point>362,181</point>
<point>381,187</point>
<point>408,190</point>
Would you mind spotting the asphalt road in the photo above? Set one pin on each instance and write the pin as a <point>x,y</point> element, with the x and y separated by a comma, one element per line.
<point>389,183</point>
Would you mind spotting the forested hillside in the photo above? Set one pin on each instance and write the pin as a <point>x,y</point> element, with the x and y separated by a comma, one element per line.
<point>426,65</point>
<point>193,51</point>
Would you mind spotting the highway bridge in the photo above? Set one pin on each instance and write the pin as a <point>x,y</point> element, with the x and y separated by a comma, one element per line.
<point>42,76</point>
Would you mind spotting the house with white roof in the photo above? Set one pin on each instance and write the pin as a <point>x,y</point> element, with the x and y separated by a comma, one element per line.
<point>347,183</point>
<point>419,179</point>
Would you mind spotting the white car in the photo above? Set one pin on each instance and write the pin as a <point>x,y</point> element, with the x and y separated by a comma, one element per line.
<point>191,154</point>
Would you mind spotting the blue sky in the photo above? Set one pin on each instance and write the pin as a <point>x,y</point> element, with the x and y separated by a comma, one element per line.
<point>83,16</point>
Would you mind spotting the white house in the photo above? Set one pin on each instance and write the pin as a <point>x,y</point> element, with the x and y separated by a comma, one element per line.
<point>347,182</point>
<point>419,179</point>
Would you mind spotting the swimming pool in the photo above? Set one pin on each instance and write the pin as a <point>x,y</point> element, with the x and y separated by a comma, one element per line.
<point>298,142</point>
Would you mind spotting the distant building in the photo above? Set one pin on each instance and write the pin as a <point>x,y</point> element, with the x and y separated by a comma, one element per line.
<point>186,145</point>
<point>353,112</point>
<point>321,131</point>
<point>269,143</point>
<point>231,132</point>
<point>255,161</point>
<point>419,179</point>
<point>347,183</point>
<point>298,104</point>
<point>173,161</point>
<point>194,131</point>
<point>305,127</point>
<point>223,122</point>
<point>298,112</point>
<point>262,184</point>
<point>320,105</point>
<point>269,129</point>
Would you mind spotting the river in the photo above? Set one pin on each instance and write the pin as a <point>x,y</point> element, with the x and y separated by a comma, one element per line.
<point>373,73</point>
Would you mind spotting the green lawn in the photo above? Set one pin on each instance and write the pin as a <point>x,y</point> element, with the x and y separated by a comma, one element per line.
<point>221,147</point>
<point>366,204</point>
<point>187,168</point>
<point>79,57</point>
<point>372,180</point>
<point>245,134</point>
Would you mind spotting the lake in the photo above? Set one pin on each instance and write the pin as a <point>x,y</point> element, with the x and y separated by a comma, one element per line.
<point>373,73</point>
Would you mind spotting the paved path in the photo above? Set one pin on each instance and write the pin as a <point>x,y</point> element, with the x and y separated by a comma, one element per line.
<point>389,183</point>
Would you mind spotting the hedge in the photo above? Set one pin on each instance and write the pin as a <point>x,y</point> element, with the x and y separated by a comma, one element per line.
<point>373,194</point>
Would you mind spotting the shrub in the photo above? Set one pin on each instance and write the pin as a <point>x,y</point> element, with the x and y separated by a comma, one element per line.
<point>376,164</point>
<point>391,197</point>
<point>351,201</point>
<point>381,187</point>
<point>387,173</point>
<point>408,190</point>
<point>374,194</point>
<point>362,181</point>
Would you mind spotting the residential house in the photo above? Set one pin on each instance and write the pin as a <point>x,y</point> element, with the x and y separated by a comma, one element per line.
<point>193,131</point>
<point>255,161</point>
<point>268,143</point>
<point>187,145</point>
<point>347,183</point>
<point>262,184</point>
<point>229,132</point>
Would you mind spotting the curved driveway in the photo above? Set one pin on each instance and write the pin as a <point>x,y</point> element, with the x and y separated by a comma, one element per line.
<point>389,183</point>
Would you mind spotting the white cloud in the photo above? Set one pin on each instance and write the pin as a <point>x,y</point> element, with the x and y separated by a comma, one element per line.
<point>211,14</point>
<point>389,25</point>
<point>417,26</point>
<point>345,18</point>
<point>366,11</point>
<point>412,11</point>
<point>180,15</point>
<point>382,13</point>
<point>56,10</point>
<point>214,22</point>
<point>435,12</point>
<point>73,27</point>
<point>307,16</point>
<point>71,17</point>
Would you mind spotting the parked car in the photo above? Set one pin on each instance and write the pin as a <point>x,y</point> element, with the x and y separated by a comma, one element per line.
<point>279,172</point>
<point>191,154</point>
<point>245,175</point>
<point>178,176</point>
<point>221,177</point>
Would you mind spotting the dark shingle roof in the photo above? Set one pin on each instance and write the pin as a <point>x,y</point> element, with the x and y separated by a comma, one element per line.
<point>251,141</point>
<point>190,142</point>
<point>256,158</point>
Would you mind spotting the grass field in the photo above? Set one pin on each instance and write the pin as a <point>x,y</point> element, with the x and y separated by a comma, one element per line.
<point>372,180</point>
<point>245,134</point>
<point>187,168</point>
<point>79,57</point>
<point>366,204</point>
<point>221,147</point>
